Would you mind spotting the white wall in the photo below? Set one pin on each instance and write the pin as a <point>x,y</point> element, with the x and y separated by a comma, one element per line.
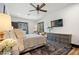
<point>1,7</point>
<point>70,16</point>
<point>31,24</point>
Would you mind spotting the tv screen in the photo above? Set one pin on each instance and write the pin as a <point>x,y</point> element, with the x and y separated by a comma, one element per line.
<point>57,23</point>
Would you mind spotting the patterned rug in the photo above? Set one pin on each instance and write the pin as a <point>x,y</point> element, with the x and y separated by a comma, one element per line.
<point>50,49</point>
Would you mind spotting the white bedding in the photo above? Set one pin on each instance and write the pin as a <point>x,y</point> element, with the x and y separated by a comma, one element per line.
<point>34,40</point>
<point>32,35</point>
<point>27,41</point>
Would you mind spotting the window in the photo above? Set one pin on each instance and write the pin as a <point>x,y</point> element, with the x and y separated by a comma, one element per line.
<point>21,25</point>
<point>40,27</point>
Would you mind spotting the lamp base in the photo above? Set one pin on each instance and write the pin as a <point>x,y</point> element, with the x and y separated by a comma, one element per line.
<point>1,36</point>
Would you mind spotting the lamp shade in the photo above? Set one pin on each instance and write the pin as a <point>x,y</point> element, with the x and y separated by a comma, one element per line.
<point>5,22</point>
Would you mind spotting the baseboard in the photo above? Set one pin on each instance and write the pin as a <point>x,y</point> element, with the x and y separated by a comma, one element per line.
<point>74,45</point>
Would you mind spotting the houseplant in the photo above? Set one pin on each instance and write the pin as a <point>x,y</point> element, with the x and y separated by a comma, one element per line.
<point>6,46</point>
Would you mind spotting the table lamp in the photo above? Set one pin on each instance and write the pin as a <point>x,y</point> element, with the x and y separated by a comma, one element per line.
<point>5,24</point>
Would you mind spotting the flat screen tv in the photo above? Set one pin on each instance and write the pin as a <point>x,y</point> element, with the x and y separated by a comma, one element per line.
<point>57,23</point>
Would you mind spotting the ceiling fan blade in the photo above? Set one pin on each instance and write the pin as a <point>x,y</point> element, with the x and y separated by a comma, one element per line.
<point>43,10</point>
<point>32,5</point>
<point>4,9</point>
<point>42,5</point>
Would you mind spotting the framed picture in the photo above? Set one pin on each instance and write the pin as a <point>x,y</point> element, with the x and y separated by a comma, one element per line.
<point>57,23</point>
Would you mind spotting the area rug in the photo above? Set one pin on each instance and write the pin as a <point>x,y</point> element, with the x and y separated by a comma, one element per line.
<point>50,49</point>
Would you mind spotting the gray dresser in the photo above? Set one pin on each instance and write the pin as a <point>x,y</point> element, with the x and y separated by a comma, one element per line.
<point>64,38</point>
<point>61,42</point>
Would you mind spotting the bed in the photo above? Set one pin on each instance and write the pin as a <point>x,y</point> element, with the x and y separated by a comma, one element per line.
<point>29,41</point>
<point>33,41</point>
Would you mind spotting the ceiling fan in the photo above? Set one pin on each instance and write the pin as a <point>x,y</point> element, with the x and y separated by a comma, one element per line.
<point>38,8</point>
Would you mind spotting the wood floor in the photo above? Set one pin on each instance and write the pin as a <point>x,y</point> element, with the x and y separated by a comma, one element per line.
<point>74,51</point>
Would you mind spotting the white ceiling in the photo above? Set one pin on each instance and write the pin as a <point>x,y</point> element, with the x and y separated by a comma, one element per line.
<point>22,9</point>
